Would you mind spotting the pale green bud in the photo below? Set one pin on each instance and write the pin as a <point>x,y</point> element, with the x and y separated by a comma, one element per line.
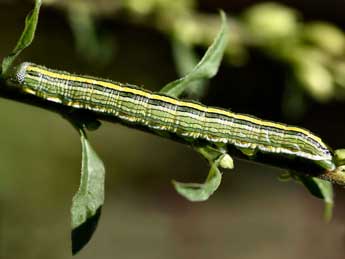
<point>226,162</point>
<point>339,156</point>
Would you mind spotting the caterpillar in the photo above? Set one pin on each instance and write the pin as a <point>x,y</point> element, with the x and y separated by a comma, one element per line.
<point>252,137</point>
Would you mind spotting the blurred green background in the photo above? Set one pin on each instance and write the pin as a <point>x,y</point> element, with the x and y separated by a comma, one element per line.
<point>252,215</point>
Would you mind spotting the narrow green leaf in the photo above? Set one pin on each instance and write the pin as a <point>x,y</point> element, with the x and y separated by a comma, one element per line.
<point>211,154</point>
<point>217,157</point>
<point>25,39</point>
<point>185,60</point>
<point>206,68</point>
<point>200,192</point>
<point>87,202</point>
<point>321,189</point>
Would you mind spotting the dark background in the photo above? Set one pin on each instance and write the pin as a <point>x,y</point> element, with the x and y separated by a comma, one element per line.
<point>252,215</point>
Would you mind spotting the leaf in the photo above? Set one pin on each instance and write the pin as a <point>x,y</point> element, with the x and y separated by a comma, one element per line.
<point>87,202</point>
<point>201,192</point>
<point>185,60</point>
<point>321,189</point>
<point>25,39</point>
<point>197,191</point>
<point>206,68</point>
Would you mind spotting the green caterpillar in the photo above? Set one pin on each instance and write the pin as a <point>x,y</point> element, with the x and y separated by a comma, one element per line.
<point>254,138</point>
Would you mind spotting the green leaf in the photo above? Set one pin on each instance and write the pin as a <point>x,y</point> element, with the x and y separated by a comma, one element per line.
<point>185,60</point>
<point>87,202</point>
<point>321,189</point>
<point>206,68</point>
<point>217,157</point>
<point>25,39</point>
<point>197,191</point>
